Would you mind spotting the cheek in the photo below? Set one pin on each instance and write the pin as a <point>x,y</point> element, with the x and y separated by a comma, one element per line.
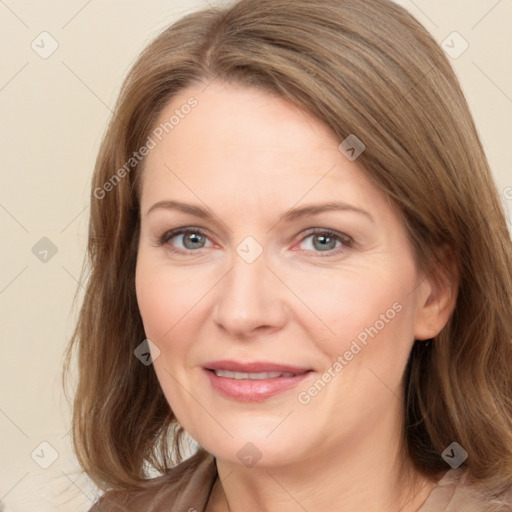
<point>367,317</point>
<point>165,297</point>
<point>348,303</point>
<point>167,301</point>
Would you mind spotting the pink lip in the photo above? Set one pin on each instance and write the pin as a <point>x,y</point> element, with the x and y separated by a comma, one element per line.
<point>253,367</point>
<point>247,390</point>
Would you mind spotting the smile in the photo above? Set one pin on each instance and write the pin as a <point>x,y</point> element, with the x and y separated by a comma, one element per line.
<point>253,381</point>
<point>252,376</point>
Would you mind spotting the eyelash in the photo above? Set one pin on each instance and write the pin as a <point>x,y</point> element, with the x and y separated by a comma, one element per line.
<point>344,239</point>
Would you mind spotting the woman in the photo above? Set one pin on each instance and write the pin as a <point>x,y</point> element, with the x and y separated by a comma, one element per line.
<point>298,256</point>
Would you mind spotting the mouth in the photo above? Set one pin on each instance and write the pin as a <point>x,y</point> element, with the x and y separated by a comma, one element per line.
<point>253,381</point>
<point>252,376</point>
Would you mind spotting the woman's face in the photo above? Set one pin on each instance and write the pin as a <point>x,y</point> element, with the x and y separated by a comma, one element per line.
<point>275,280</point>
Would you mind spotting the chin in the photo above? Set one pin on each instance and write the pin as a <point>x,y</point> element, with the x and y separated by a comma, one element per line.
<point>252,444</point>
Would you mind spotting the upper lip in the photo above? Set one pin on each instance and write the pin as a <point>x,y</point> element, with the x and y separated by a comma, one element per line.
<point>254,367</point>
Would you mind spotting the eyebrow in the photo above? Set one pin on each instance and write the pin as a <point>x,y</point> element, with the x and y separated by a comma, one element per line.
<point>289,216</point>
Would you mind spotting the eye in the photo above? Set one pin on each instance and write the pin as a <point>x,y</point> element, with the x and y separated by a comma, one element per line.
<point>326,241</point>
<point>191,239</point>
<point>318,240</point>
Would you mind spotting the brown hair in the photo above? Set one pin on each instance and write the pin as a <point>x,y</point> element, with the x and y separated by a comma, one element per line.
<point>364,68</point>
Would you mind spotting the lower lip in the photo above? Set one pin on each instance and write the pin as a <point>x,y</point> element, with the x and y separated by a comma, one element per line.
<point>247,390</point>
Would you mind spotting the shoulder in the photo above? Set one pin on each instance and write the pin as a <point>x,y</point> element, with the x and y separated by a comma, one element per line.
<point>185,487</point>
<point>455,492</point>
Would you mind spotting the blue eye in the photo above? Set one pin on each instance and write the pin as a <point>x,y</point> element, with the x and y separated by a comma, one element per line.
<point>191,238</point>
<point>327,241</point>
<point>321,240</point>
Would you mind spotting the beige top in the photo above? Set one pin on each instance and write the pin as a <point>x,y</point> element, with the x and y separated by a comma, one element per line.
<point>187,488</point>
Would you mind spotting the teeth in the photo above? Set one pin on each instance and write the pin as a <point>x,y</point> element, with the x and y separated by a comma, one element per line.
<point>251,376</point>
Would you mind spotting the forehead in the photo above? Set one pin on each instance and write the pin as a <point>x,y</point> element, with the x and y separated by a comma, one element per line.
<point>247,146</point>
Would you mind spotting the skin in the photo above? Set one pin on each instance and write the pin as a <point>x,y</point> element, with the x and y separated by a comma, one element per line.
<point>249,157</point>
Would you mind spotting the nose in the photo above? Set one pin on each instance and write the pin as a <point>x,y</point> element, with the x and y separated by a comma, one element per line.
<point>250,299</point>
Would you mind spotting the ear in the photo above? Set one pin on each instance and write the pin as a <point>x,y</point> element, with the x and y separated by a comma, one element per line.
<point>437,297</point>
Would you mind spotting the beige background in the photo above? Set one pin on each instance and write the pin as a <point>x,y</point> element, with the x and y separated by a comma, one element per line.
<point>54,112</point>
